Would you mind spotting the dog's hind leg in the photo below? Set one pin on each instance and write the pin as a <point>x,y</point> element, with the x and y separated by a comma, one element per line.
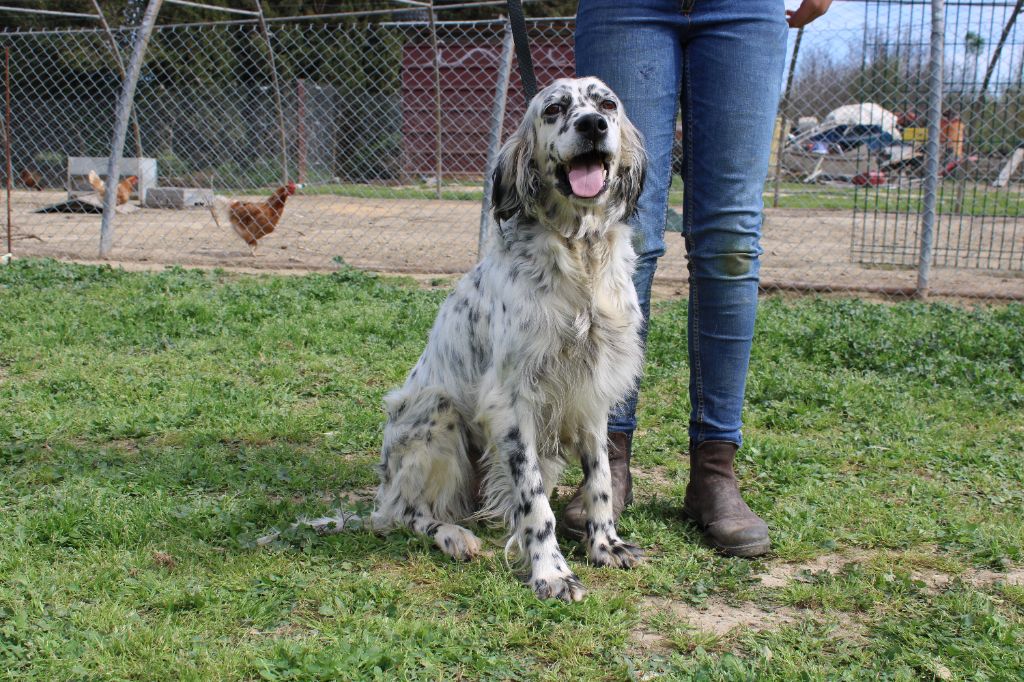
<point>454,540</point>
<point>426,477</point>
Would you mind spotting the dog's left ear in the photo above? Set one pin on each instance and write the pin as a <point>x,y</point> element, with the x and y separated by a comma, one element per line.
<point>632,167</point>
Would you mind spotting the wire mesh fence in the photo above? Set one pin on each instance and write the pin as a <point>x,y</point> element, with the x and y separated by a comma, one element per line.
<point>858,111</point>
<point>391,137</point>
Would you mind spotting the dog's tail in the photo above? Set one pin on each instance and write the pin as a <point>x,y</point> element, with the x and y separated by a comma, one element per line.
<point>339,521</point>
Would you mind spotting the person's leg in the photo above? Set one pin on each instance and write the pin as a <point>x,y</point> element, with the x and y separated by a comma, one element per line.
<point>733,61</point>
<point>635,49</point>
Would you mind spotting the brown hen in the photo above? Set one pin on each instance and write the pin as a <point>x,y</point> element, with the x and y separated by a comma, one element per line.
<point>253,221</point>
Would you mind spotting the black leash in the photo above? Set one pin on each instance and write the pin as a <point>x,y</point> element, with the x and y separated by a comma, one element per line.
<point>518,21</point>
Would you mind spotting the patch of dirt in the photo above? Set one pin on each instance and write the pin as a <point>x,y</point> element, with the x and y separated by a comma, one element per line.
<point>805,250</point>
<point>124,444</point>
<point>648,639</point>
<point>779,575</point>
<point>658,476</point>
<point>164,560</point>
<point>782,574</point>
<point>718,618</point>
<point>1015,576</point>
<point>936,581</point>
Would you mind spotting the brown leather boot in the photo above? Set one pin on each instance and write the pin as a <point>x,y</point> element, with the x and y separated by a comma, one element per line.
<point>574,517</point>
<point>713,501</point>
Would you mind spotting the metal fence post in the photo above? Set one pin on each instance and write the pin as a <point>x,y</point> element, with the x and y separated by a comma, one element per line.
<point>300,127</point>
<point>124,106</point>
<point>494,139</point>
<point>8,169</point>
<point>119,63</point>
<point>277,91</point>
<point>438,146</point>
<point>783,105</point>
<point>932,148</point>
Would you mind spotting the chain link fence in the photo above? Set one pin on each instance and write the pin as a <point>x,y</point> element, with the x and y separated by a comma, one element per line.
<point>391,139</point>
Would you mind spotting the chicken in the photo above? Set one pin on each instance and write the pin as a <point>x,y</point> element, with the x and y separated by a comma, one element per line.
<point>124,188</point>
<point>31,179</point>
<point>253,220</point>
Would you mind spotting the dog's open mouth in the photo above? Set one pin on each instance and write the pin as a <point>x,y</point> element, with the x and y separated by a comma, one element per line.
<point>585,176</point>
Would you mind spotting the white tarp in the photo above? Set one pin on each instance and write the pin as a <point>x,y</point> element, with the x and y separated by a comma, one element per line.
<point>866,113</point>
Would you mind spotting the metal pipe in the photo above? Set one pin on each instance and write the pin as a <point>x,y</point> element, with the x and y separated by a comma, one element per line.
<point>355,13</point>
<point>48,12</point>
<point>277,91</point>
<point>782,118</point>
<point>199,5</point>
<point>437,97</point>
<point>120,69</point>
<point>7,138</point>
<point>1014,13</point>
<point>932,150</point>
<point>479,22</point>
<point>124,105</point>
<point>300,123</point>
<point>494,141</point>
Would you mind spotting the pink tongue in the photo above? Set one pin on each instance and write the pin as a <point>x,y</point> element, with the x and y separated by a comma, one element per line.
<point>586,179</point>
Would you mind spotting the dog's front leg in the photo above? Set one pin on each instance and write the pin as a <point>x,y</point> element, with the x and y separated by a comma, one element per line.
<point>604,546</point>
<point>533,522</point>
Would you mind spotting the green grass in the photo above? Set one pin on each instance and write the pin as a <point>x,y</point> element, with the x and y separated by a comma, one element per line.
<point>153,425</point>
<point>455,192</point>
<point>980,200</point>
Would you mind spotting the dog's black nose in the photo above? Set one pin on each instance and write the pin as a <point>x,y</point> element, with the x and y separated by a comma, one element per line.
<point>592,126</point>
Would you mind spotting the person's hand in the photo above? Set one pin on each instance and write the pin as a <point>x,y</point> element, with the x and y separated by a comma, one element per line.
<point>808,11</point>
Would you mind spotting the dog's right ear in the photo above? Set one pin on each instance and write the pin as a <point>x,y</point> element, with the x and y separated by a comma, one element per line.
<point>516,179</point>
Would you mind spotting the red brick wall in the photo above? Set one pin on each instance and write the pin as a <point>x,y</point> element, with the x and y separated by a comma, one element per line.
<point>469,74</point>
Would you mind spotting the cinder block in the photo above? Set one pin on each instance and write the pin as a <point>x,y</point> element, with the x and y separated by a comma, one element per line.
<point>178,197</point>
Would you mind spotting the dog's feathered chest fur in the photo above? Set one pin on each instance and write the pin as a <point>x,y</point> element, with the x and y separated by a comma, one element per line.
<point>551,320</point>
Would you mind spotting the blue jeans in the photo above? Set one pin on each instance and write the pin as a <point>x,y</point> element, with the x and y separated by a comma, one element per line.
<point>721,63</point>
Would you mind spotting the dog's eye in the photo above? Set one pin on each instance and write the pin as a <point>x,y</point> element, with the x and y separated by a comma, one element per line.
<point>553,109</point>
<point>609,105</point>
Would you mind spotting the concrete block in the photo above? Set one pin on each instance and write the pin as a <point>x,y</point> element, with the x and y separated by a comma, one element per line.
<point>178,197</point>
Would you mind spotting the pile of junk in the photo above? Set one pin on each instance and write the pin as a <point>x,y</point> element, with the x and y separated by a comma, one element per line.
<point>866,144</point>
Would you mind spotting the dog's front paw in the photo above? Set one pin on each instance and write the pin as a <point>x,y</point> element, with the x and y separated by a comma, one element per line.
<point>566,587</point>
<point>615,553</point>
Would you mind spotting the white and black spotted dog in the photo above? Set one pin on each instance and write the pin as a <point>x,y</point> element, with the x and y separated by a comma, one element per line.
<point>531,349</point>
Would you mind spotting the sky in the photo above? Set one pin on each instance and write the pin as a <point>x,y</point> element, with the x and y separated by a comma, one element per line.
<point>842,29</point>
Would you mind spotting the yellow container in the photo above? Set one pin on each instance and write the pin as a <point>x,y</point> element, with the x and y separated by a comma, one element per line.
<point>915,134</point>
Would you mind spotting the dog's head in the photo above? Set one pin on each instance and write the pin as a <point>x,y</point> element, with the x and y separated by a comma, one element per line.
<point>575,153</point>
